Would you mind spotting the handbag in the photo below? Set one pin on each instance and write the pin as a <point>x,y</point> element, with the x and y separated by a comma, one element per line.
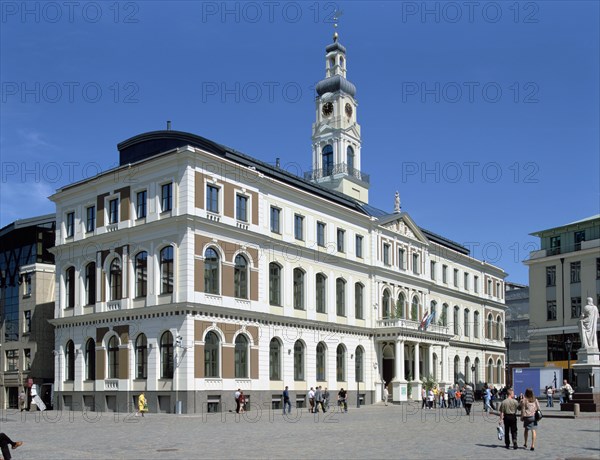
<point>538,415</point>
<point>500,431</point>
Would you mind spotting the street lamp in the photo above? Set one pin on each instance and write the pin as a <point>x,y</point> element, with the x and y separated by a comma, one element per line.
<point>568,347</point>
<point>474,380</point>
<point>507,339</point>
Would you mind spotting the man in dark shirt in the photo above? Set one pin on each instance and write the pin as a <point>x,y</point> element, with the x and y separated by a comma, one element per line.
<point>342,400</point>
<point>286,401</point>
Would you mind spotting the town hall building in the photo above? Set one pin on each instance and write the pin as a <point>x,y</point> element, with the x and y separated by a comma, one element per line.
<point>213,271</point>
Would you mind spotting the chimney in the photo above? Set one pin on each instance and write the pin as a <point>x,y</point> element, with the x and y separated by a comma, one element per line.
<point>168,125</point>
<point>277,163</point>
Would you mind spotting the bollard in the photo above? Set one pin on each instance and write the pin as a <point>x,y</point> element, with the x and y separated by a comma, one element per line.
<point>576,409</point>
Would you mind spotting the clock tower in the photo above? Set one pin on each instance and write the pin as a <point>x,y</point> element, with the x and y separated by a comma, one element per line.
<point>336,144</point>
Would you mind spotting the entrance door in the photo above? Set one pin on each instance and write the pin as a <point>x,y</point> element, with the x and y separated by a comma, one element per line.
<point>387,372</point>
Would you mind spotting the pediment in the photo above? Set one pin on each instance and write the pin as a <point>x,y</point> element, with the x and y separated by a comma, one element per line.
<point>402,224</point>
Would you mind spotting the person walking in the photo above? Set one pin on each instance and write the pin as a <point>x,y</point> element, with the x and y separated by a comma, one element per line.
<point>423,397</point>
<point>22,400</point>
<point>242,401</point>
<point>529,406</point>
<point>451,402</point>
<point>386,395</point>
<point>549,395</point>
<point>566,392</point>
<point>342,399</point>
<point>508,416</point>
<point>286,401</point>
<point>319,399</point>
<point>311,399</point>
<point>5,441</point>
<point>142,405</point>
<point>326,399</point>
<point>236,396</point>
<point>468,397</point>
<point>430,398</point>
<point>487,399</point>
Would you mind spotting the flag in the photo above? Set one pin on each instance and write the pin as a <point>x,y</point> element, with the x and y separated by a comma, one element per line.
<point>424,321</point>
<point>429,319</point>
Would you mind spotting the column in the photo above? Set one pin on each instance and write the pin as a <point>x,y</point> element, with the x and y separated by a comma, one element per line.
<point>430,360</point>
<point>379,360</point>
<point>444,361</point>
<point>399,361</point>
<point>417,376</point>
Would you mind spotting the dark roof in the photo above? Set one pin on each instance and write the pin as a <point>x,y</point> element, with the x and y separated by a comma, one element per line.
<point>149,144</point>
<point>335,84</point>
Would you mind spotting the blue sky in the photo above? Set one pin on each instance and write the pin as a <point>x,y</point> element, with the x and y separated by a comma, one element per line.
<point>484,116</point>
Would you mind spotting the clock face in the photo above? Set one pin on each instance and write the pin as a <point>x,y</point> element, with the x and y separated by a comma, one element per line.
<point>327,109</point>
<point>348,109</point>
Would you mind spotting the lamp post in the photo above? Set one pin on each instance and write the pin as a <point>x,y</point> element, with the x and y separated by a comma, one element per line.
<point>507,340</point>
<point>474,380</point>
<point>568,347</point>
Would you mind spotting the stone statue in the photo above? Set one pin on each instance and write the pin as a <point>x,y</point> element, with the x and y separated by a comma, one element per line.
<point>397,208</point>
<point>588,324</point>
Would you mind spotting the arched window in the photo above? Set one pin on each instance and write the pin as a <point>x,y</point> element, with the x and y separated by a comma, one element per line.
<point>350,160</point>
<point>113,357</point>
<point>141,274</point>
<point>476,324</point>
<point>211,272</point>
<point>444,318</point>
<point>499,372</point>
<point>490,371</point>
<point>321,292</point>
<point>298,361</point>
<point>490,327</point>
<point>166,270</point>
<point>70,360</point>
<point>456,320</point>
<point>211,355</point>
<point>400,304</point>
<point>141,357</point>
<point>414,310</point>
<point>433,311</point>
<point>116,288</point>
<point>340,296</point>
<point>359,364</point>
<point>498,328</point>
<point>166,355</point>
<point>90,283</point>
<point>70,287</point>
<point>468,372</point>
<point>241,357</point>
<point>358,301</point>
<point>90,359</point>
<point>275,359</point>
<point>274,284</point>
<point>385,304</point>
<point>456,369</point>
<point>240,277</point>
<point>340,363</point>
<point>298,289</point>
<point>466,322</point>
<point>327,160</point>
<point>321,361</point>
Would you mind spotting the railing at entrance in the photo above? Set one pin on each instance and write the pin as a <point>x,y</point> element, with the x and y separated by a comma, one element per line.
<point>412,325</point>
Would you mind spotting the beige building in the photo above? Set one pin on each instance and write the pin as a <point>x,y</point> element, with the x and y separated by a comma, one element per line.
<point>192,270</point>
<point>562,274</point>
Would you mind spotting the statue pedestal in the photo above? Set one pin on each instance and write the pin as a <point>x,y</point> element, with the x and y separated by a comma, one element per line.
<point>587,370</point>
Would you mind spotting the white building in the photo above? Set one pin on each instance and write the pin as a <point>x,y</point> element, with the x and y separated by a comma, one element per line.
<point>192,270</point>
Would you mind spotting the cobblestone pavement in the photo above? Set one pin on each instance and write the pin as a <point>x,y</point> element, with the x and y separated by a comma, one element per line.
<point>377,431</point>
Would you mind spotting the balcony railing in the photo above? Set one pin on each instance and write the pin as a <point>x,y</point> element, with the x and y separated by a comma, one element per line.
<point>564,249</point>
<point>412,325</point>
<point>111,384</point>
<point>113,305</point>
<point>341,168</point>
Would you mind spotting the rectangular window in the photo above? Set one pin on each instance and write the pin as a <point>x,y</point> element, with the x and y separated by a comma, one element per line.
<point>456,277</point>
<point>579,237</point>
<point>386,253</point>
<point>320,234</point>
<point>299,227</point>
<point>415,267</point>
<point>554,245</point>
<point>166,197</point>
<point>575,307</point>
<point>27,359</point>
<point>27,321</point>
<point>275,219</point>
<point>113,211</point>
<point>445,274</point>
<point>432,269</point>
<point>476,284</point>
<point>12,360</point>
<point>401,262</point>
<point>212,199</point>
<point>551,310</point>
<point>466,281</point>
<point>90,219</point>
<point>551,276</point>
<point>341,239</point>
<point>27,285</point>
<point>575,272</point>
<point>70,224</point>
<point>140,204</point>
<point>359,246</point>
<point>241,208</point>
<point>489,287</point>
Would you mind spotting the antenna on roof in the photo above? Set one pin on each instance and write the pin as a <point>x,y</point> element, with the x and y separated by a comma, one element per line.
<point>168,125</point>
